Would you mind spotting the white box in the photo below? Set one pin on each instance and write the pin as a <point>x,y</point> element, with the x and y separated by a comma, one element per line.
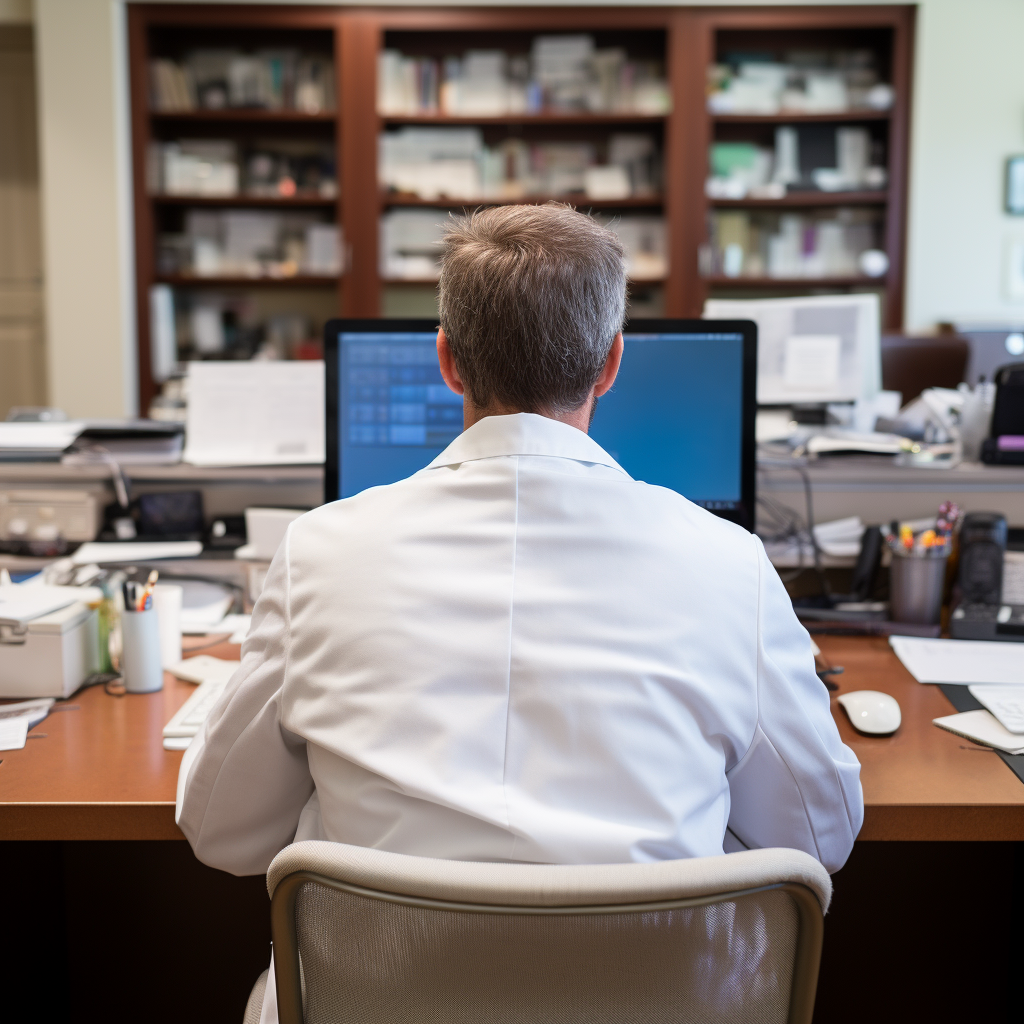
<point>53,656</point>
<point>265,529</point>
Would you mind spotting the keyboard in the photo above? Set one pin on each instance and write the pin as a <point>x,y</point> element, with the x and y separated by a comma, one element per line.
<point>212,675</point>
<point>1006,703</point>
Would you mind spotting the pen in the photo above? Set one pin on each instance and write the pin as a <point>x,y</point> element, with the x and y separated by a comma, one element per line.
<point>145,599</point>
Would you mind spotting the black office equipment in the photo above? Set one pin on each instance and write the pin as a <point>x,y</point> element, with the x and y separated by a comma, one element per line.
<point>1005,443</point>
<point>982,547</point>
<point>981,614</point>
<point>681,413</point>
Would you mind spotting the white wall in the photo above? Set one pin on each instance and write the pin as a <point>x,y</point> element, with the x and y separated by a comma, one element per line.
<point>86,211</point>
<point>968,115</point>
<point>15,12</point>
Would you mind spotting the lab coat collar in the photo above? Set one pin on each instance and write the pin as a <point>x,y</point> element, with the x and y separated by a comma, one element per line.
<point>523,433</point>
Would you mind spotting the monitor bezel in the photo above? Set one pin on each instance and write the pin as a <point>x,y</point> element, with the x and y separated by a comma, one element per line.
<point>744,515</point>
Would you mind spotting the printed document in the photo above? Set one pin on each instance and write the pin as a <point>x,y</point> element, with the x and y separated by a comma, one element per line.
<point>255,414</point>
<point>960,661</point>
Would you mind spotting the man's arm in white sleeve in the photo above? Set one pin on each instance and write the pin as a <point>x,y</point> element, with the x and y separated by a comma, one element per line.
<point>245,779</point>
<point>798,785</point>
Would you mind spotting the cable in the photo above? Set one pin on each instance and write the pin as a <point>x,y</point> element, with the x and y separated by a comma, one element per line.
<point>800,466</point>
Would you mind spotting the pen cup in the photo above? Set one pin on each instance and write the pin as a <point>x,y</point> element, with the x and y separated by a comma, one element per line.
<point>916,585</point>
<point>140,654</point>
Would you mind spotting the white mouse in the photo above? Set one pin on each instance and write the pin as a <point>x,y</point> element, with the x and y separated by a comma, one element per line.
<point>871,712</point>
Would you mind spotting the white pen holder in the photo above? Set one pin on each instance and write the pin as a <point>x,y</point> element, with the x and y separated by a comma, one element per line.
<point>140,655</point>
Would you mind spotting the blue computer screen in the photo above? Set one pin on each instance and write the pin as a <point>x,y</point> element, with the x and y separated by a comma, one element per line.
<point>673,418</point>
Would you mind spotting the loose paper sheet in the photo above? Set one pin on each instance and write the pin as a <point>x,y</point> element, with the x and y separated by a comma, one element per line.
<point>960,661</point>
<point>255,414</point>
<point>981,727</point>
<point>135,551</point>
<point>39,436</point>
<point>13,732</point>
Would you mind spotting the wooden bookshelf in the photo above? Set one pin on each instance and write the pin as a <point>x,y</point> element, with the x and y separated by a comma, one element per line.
<point>687,39</point>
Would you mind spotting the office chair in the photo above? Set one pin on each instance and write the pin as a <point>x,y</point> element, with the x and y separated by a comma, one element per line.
<point>909,365</point>
<point>384,937</point>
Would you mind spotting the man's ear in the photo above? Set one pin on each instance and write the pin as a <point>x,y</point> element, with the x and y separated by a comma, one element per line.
<point>611,367</point>
<point>446,361</point>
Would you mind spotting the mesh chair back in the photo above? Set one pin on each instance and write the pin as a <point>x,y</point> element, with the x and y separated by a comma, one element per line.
<point>347,953</point>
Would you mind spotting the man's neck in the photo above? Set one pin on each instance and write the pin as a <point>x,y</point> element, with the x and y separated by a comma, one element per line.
<point>578,418</point>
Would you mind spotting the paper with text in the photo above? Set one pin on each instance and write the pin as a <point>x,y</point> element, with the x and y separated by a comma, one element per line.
<point>255,414</point>
<point>960,661</point>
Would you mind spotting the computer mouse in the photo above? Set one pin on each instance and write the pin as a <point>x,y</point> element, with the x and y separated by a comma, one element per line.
<point>871,712</point>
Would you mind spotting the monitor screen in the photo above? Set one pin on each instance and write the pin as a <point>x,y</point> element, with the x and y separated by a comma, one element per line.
<point>681,413</point>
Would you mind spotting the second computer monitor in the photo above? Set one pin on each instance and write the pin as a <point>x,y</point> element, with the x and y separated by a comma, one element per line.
<point>811,350</point>
<point>681,413</point>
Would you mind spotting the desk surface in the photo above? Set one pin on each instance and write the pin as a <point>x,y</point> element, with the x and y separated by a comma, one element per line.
<point>102,773</point>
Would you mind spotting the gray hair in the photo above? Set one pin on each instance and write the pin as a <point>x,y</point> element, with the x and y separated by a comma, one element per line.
<point>531,298</point>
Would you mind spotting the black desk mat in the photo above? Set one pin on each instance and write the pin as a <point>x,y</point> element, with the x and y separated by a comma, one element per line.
<point>962,699</point>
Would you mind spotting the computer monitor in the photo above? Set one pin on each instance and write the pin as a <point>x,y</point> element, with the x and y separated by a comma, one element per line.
<point>681,413</point>
<point>811,350</point>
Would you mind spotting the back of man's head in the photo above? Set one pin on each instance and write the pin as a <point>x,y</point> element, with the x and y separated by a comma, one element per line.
<point>531,298</point>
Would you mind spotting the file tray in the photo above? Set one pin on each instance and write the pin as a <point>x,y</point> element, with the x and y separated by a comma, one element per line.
<point>51,655</point>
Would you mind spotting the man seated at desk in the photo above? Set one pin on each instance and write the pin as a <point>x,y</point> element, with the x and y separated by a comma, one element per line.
<point>519,653</point>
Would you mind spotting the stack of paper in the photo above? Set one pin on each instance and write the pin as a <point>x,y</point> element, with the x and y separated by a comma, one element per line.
<point>17,719</point>
<point>36,441</point>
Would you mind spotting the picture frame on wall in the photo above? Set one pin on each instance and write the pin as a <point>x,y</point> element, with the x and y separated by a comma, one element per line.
<point>1015,185</point>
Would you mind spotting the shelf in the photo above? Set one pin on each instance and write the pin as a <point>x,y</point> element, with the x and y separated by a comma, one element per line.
<point>830,199</point>
<point>433,280</point>
<point>241,114</point>
<point>299,281</point>
<point>389,199</point>
<point>521,119</point>
<point>796,118</point>
<point>785,119</point>
<point>754,283</point>
<point>235,201</point>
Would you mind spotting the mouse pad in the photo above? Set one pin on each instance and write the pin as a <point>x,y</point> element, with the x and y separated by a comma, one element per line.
<point>960,697</point>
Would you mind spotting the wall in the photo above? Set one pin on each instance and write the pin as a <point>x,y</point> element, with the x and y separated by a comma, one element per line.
<point>968,115</point>
<point>86,216</point>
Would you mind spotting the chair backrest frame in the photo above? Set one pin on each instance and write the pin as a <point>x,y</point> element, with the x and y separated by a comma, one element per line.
<point>806,958</point>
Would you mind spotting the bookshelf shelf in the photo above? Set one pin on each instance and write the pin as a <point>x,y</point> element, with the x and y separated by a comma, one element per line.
<point>574,200</point>
<point>243,116</point>
<point>838,117</point>
<point>301,202</point>
<point>805,199</point>
<point>754,283</point>
<point>421,281</point>
<point>297,281</point>
<point>517,120</point>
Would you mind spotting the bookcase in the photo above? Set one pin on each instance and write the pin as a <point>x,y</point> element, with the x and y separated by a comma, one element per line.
<point>294,163</point>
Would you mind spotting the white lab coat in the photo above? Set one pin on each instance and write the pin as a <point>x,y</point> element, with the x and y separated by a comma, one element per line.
<point>521,654</point>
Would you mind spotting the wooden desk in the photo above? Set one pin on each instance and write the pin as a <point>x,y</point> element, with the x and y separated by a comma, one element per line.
<point>102,772</point>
